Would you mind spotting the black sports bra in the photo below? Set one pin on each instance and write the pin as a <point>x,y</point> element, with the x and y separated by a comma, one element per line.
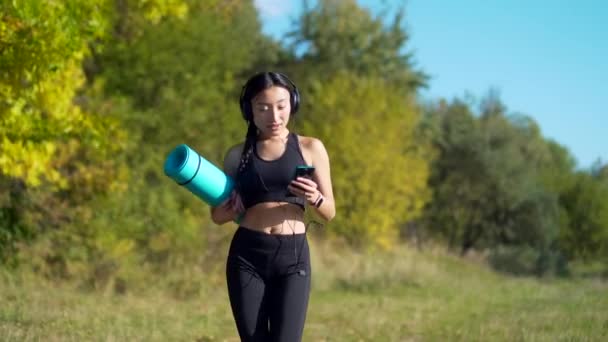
<point>267,180</point>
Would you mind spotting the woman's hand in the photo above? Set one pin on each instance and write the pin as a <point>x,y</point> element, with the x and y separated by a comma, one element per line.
<point>228,210</point>
<point>305,188</point>
<point>234,203</point>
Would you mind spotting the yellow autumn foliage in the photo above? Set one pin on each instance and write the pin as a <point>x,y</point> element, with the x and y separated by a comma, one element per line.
<point>42,48</point>
<point>379,166</point>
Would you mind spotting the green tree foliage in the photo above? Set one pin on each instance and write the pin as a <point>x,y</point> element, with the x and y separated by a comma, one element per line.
<point>455,180</point>
<point>358,90</point>
<point>586,236</point>
<point>339,35</point>
<point>487,181</point>
<point>183,77</point>
<point>54,153</point>
<point>94,94</point>
<point>177,81</point>
<point>379,167</point>
<point>43,44</point>
<point>599,171</point>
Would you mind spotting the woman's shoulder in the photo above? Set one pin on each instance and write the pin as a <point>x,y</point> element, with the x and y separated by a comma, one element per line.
<point>310,143</point>
<point>235,149</point>
<point>233,157</point>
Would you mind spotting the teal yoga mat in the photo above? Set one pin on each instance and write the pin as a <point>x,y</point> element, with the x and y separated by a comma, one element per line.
<point>198,175</point>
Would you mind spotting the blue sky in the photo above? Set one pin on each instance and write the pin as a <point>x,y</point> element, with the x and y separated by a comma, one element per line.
<point>547,59</point>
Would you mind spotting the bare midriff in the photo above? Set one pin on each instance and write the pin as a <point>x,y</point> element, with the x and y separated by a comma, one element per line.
<point>280,218</point>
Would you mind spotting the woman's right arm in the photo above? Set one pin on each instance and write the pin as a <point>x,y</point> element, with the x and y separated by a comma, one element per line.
<point>231,208</point>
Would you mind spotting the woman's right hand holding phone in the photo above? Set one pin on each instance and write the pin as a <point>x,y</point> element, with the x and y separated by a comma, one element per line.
<point>305,188</point>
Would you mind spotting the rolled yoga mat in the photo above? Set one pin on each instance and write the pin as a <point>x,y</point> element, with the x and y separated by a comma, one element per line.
<point>198,175</point>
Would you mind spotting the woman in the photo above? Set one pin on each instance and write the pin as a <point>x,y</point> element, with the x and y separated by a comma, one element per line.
<point>268,266</point>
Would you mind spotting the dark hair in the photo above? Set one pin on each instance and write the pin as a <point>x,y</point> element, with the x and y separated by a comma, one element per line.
<point>252,88</point>
<point>262,81</point>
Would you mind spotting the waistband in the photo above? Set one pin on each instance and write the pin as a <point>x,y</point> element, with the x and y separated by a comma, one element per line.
<point>277,243</point>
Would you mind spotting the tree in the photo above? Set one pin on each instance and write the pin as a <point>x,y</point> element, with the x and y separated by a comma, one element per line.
<point>487,184</point>
<point>338,36</point>
<point>54,153</point>
<point>176,81</point>
<point>586,236</point>
<point>43,46</point>
<point>379,167</point>
<point>183,78</point>
<point>599,171</point>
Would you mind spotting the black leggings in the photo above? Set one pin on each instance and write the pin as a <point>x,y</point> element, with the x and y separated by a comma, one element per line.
<point>269,284</point>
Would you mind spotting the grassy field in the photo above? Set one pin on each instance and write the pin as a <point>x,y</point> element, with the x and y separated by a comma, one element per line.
<point>404,295</point>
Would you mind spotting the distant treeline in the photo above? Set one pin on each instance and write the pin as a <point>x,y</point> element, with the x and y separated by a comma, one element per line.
<point>93,95</point>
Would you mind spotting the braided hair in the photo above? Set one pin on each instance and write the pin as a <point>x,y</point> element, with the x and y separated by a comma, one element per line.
<point>250,140</point>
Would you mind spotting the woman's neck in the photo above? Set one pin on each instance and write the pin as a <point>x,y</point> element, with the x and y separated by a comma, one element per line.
<point>281,137</point>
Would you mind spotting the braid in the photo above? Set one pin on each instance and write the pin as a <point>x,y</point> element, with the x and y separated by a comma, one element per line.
<point>250,140</point>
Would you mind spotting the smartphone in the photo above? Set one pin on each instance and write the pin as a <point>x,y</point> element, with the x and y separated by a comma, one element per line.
<point>305,171</point>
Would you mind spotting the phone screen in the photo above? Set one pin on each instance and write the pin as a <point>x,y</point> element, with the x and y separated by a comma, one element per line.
<point>304,171</point>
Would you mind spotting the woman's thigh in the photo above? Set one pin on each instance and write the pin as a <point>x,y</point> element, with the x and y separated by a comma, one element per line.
<point>248,299</point>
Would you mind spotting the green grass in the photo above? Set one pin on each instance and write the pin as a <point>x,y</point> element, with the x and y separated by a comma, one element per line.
<point>404,295</point>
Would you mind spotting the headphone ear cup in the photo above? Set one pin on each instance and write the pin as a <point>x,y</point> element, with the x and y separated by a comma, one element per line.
<point>247,113</point>
<point>294,94</point>
<point>295,99</point>
<point>244,109</point>
<point>245,106</point>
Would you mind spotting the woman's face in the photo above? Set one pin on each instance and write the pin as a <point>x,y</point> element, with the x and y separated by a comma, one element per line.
<point>271,109</point>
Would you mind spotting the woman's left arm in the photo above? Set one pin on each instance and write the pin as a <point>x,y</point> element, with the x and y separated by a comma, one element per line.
<point>318,192</point>
<point>322,176</point>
